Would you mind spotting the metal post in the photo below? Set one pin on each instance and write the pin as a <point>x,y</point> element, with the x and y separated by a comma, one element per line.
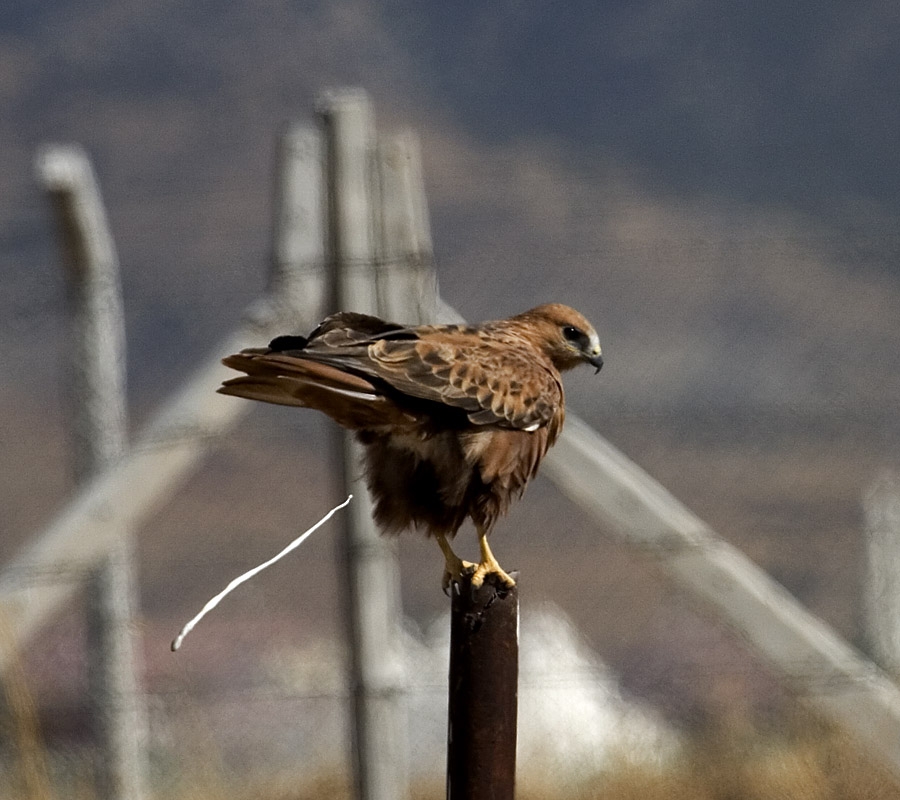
<point>407,286</point>
<point>100,438</point>
<point>373,598</point>
<point>484,674</point>
<point>298,248</point>
<point>881,590</point>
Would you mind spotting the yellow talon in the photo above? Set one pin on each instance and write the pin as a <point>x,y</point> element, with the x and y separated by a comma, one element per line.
<point>483,570</point>
<point>489,566</point>
<point>454,567</point>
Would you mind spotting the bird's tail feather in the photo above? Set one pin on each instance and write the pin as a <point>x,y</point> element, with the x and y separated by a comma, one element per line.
<point>350,400</point>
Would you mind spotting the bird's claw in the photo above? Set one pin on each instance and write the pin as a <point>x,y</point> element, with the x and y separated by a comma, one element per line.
<point>500,577</point>
<point>453,575</point>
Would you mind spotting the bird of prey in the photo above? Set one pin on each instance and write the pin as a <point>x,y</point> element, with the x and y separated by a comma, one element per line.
<point>454,419</point>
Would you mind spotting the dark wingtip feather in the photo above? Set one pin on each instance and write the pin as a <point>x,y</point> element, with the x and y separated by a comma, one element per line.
<point>282,343</point>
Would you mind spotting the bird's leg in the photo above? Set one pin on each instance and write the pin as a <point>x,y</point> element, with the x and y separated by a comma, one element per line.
<point>455,567</point>
<point>489,565</point>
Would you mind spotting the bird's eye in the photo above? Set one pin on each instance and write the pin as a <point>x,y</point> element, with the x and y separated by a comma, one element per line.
<point>571,333</point>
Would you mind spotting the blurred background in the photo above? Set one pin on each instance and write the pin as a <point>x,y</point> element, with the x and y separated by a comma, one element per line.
<point>715,185</point>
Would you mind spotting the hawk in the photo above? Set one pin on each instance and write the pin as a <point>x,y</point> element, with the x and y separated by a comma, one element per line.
<point>454,419</point>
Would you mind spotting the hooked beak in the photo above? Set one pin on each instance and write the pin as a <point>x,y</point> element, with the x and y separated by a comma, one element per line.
<point>591,352</point>
<point>593,356</point>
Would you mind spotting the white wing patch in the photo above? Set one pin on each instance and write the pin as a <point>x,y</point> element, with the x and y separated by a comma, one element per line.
<point>345,392</point>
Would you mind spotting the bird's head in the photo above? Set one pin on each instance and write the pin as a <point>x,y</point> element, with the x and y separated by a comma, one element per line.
<point>566,336</point>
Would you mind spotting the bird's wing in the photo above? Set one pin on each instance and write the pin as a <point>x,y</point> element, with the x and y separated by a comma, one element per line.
<point>494,382</point>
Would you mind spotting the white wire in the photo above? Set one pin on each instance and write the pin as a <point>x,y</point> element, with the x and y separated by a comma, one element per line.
<point>176,643</point>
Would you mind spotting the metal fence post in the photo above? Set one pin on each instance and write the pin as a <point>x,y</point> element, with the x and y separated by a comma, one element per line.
<point>373,598</point>
<point>406,281</point>
<point>99,425</point>
<point>881,589</point>
<point>298,241</point>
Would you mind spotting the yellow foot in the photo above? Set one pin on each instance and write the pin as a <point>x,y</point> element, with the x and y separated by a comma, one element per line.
<point>454,567</point>
<point>491,567</point>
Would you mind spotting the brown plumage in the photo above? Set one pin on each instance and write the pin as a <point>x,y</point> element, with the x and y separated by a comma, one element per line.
<point>455,419</point>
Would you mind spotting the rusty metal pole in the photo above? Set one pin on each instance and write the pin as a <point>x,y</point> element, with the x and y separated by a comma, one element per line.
<point>484,676</point>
